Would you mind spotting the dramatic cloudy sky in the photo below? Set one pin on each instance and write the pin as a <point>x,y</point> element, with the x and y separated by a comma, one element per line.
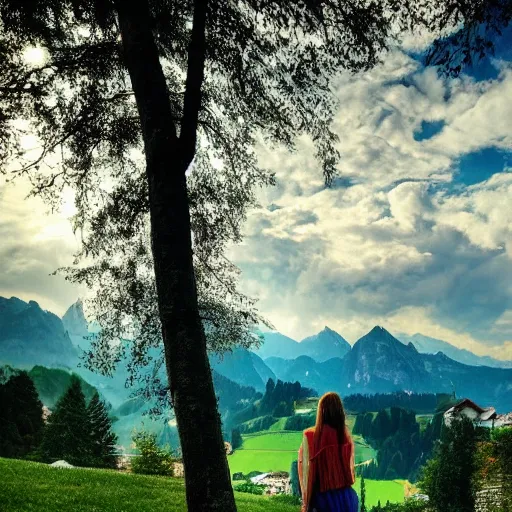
<point>414,235</point>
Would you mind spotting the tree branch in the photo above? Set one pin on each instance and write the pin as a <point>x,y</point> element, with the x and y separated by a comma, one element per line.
<point>195,75</point>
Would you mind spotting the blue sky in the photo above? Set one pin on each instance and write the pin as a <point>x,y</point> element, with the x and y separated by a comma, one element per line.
<point>415,234</point>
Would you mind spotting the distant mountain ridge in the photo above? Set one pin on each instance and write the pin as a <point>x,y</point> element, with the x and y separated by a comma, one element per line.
<point>320,376</point>
<point>325,345</point>
<point>378,362</point>
<point>29,335</point>
<point>428,345</point>
<point>321,347</point>
<point>243,367</point>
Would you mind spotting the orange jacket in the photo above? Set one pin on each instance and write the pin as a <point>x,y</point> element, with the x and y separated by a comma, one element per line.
<point>330,464</point>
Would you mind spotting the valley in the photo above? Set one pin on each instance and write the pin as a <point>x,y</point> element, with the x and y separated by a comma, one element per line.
<point>269,395</point>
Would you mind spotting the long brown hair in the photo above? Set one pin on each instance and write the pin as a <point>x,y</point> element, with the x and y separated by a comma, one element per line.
<point>331,412</point>
<point>329,463</point>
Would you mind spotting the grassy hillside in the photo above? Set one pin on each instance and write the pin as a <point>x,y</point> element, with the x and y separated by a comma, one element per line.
<point>51,383</point>
<point>40,488</point>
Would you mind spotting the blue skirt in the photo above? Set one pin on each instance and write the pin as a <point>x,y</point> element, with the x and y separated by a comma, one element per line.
<point>339,500</point>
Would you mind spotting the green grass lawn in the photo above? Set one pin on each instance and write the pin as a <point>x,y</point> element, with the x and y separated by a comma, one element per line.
<point>29,486</point>
<point>269,440</point>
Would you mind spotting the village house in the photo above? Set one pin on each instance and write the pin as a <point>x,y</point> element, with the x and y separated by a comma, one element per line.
<point>483,417</point>
<point>276,483</point>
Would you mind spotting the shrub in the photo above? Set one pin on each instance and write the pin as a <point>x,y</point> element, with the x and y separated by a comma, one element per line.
<point>152,460</point>
<point>300,422</point>
<point>257,424</point>
<point>250,488</point>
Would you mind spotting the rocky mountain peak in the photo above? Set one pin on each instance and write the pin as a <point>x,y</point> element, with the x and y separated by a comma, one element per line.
<point>74,320</point>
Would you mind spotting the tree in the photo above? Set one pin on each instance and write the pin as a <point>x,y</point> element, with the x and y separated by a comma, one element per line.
<point>381,426</point>
<point>103,440</point>
<point>236,439</point>
<point>502,441</point>
<point>67,432</point>
<point>367,425</point>
<point>283,409</point>
<point>151,460</point>
<point>21,416</point>
<point>248,68</point>
<point>447,477</point>
<point>362,497</point>
<point>294,479</point>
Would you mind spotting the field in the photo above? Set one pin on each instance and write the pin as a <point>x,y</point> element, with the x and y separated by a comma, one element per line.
<point>266,451</point>
<point>382,490</point>
<point>40,488</point>
<point>275,451</point>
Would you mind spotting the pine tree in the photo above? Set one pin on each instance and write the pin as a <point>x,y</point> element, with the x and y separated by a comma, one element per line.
<point>358,426</point>
<point>67,433</point>
<point>21,418</point>
<point>103,440</point>
<point>236,439</point>
<point>362,498</point>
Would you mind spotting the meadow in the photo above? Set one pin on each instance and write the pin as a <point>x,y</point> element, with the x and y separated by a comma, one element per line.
<point>38,487</point>
<point>41,488</point>
<point>274,450</point>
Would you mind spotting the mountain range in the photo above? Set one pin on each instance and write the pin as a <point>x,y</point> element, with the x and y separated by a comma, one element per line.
<point>428,345</point>
<point>321,347</point>
<point>377,362</point>
<point>243,367</point>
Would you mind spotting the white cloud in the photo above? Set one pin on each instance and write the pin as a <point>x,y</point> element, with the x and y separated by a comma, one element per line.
<point>390,239</point>
<point>482,213</point>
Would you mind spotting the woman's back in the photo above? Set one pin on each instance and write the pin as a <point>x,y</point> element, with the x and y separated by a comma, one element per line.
<point>326,461</point>
<point>334,460</point>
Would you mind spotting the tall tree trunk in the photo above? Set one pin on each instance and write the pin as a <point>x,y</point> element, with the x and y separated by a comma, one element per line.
<point>208,483</point>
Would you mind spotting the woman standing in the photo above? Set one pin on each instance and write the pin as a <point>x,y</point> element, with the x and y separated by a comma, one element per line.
<point>326,461</point>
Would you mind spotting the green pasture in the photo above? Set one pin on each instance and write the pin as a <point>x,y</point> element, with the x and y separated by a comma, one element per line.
<point>29,486</point>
